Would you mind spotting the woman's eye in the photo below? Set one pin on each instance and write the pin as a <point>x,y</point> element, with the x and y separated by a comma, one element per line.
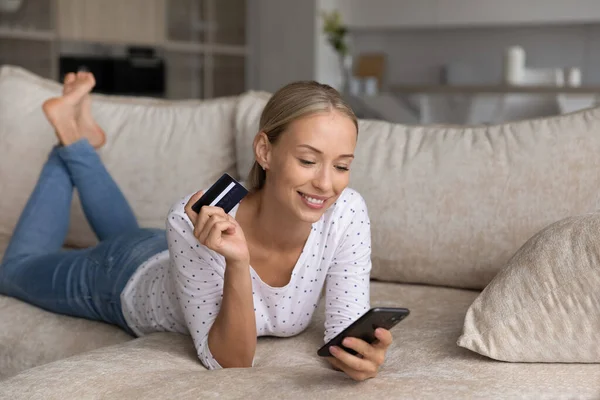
<point>306,162</point>
<point>342,168</point>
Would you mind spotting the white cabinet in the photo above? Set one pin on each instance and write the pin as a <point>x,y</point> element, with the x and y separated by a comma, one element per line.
<point>112,21</point>
<point>508,12</point>
<point>382,14</point>
<point>203,42</point>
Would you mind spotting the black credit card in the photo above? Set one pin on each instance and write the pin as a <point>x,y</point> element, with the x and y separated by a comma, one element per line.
<point>225,193</point>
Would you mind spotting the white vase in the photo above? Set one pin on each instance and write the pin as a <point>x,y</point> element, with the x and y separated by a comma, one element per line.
<point>10,6</point>
<point>573,76</point>
<point>514,65</point>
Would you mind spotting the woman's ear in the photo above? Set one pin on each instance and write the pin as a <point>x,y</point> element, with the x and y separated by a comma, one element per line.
<point>262,150</point>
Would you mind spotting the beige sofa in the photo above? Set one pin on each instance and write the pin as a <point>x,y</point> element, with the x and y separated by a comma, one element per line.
<point>448,206</point>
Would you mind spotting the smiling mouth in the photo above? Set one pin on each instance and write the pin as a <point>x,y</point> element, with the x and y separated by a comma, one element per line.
<point>317,202</point>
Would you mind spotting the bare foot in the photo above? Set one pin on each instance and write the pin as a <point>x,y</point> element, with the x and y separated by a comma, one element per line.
<point>71,114</point>
<point>85,121</point>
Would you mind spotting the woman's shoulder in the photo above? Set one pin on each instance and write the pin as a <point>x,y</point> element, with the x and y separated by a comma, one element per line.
<point>346,208</point>
<point>348,201</point>
<point>347,217</point>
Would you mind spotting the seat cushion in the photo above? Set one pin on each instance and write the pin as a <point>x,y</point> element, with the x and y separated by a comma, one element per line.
<point>4,239</point>
<point>30,336</point>
<point>449,205</point>
<point>424,362</point>
<point>157,151</point>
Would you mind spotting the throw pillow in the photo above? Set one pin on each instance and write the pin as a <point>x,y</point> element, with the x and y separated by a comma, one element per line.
<point>544,306</point>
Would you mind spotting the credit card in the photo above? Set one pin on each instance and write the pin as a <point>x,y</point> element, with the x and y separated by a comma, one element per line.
<point>225,193</point>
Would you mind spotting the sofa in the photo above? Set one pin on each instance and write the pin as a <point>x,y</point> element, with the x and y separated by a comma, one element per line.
<point>449,206</point>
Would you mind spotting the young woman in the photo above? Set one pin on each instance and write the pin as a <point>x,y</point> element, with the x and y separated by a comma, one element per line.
<point>224,279</point>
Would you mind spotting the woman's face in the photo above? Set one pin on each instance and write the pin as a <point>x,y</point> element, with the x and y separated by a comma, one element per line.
<point>308,167</point>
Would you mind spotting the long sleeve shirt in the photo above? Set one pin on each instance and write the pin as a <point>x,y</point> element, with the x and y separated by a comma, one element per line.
<point>181,289</point>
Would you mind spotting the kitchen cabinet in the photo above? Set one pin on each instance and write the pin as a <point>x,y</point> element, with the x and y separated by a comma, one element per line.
<point>203,42</point>
<point>139,22</point>
<point>406,14</point>
<point>513,12</point>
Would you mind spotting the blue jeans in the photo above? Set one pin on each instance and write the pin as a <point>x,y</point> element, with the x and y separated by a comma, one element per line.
<point>84,283</point>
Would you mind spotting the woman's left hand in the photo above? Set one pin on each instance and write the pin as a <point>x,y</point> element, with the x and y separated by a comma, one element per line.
<point>370,357</point>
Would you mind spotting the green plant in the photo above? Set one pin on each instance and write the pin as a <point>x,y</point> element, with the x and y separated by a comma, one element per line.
<point>336,31</point>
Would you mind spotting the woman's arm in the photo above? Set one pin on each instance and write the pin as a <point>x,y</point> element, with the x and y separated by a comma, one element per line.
<point>232,338</point>
<point>347,284</point>
<point>347,294</point>
<point>217,306</point>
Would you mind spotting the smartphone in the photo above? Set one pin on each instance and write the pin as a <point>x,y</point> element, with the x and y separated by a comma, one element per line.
<point>364,327</point>
<point>226,193</point>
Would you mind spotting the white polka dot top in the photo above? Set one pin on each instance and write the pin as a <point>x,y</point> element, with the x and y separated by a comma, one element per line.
<point>180,289</point>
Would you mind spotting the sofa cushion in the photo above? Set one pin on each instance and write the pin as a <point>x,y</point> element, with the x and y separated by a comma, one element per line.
<point>30,336</point>
<point>544,306</point>
<point>247,121</point>
<point>4,240</point>
<point>156,150</point>
<point>450,205</point>
<point>424,362</point>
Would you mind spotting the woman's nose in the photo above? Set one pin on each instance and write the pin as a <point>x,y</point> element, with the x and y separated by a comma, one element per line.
<point>322,180</point>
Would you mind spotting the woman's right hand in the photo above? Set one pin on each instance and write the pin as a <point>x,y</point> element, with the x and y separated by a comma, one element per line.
<point>218,231</point>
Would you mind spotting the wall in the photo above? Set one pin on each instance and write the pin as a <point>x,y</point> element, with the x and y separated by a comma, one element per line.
<point>282,45</point>
<point>286,43</point>
<point>417,55</point>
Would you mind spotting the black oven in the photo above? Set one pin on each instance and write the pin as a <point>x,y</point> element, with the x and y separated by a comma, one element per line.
<point>137,74</point>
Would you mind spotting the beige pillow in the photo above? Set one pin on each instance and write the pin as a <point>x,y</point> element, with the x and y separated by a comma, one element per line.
<point>247,121</point>
<point>544,306</point>
<point>157,151</point>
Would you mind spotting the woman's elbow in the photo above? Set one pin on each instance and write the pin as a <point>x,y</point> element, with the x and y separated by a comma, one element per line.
<point>238,364</point>
<point>233,362</point>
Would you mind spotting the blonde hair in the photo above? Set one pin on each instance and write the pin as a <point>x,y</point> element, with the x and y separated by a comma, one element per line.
<point>292,102</point>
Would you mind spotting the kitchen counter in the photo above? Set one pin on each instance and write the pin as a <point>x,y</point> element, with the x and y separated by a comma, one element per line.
<point>491,89</point>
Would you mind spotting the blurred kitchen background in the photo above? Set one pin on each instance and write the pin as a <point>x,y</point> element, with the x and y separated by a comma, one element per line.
<point>406,61</point>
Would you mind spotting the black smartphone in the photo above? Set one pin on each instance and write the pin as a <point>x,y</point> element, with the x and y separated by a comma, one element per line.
<point>364,327</point>
<point>226,192</point>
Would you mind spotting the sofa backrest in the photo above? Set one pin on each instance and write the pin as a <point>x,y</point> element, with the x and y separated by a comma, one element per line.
<point>450,205</point>
<point>157,151</point>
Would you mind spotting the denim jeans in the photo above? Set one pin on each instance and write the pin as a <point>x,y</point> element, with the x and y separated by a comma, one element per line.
<point>84,283</point>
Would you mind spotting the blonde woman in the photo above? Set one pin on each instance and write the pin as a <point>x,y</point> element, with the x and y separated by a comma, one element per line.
<point>224,279</point>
